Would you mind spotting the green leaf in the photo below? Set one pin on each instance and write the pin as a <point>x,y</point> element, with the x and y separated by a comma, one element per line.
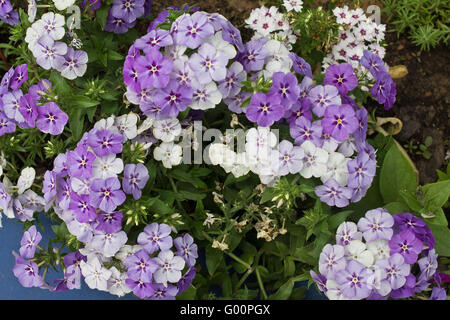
<point>189,294</point>
<point>84,102</point>
<point>336,219</point>
<point>436,194</point>
<point>396,207</point>
<point>214,259</point>
<point>396,174</point>
<point>268,195</point>
<point>442,236</point>
<point>411,200</point>
<point>284,292</point>
<point>101,16</point>
<point>76,123</point>
<point>115,56</point>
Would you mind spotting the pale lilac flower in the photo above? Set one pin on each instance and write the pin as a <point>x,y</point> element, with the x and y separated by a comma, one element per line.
<point>361,170</point>
<point>134,180</point>
<point>51,24</point>
<point>377,224</point>
<point>6,125</point>
<point>29,242</point>
<point>192,29</point>
<point>300,65</point>
<point>303,130</point>
<point>167,129</point>
<point>164,292</point>
<point>64,193</point>
<point>30,200</point>
<point>206,97</point>
<point>354,280</point>
<point>20,76</point>
<point>106,194</point>
<point>234,103</point>
<point>126,124</point>
<point>331,260</point>
<point>108,243</point>
<point>74,65</point>
<point>27,272</point>
<point>323,96</point>
<point>252,58</point>
<point>109,222</point>
<point>107,167</point>
<point>156,38</point>
<point>49,54</point>
<point>141,265</point>
<point>346,232</point>
<point>396,269</point>
<point>83,211</point>
<point>11,105</point>
<point>128,10</point>
<point>186,280</point>
<point>334,194</point>
<point>22,213</point>
<point>300,108</point>
<point>28,109</point>
<point>155,236</point>
<point>320,280</point>
<point>290,158</point>
<point>208,64</point>
<point>173,99</point>
<point>142,287</point>
<point>373,63</point>
<point>116,283</point>
<point>170,267</point>
<point>429,264</point>
<point>80,162</point>
<point>49,186</point>
<point>187,249</point>
<point>51,119</point>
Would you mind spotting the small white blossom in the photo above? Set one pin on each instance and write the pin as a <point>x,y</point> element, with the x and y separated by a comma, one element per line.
<point>26,179</point>
<point>95,275</point>
<point>169,153</point>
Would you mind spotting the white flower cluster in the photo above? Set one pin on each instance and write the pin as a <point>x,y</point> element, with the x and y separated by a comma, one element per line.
<point>44,41</point>
<point>270,161</point>
<point>357,33</point>
<point>270,23</point>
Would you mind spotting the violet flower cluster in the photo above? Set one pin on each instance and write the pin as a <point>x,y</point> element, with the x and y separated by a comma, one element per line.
<point>380,257</point>
<point>123,14</point>
<point>8,14</point>
<point>30,110</point>
<point>44,38</point>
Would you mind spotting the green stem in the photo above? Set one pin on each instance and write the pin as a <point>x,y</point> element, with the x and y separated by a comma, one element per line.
<point>260,283</point>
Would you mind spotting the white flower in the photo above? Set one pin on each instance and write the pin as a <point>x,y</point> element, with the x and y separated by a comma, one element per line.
<point>79,185</point>
<point>217,41</point>
<point>278,59</point>
<point>32,36</point>
<point>107,166</point>
<point>52,24</point>
<point>26,179</point>
<point>379,248</point>
<point>206,97</point>
<point>356,250</point>
<point>333,291</point>
<point>217,153</point>
<point>107,124</point>
<point>30,200</point>
<point>127,251</point>
<point>116,283</point>
<point>166,130</point>
<point>95,275</point>
<point>295,5</point>
<point>63,4</point>
<point>259,143</point>
<point>32,9</point>
<point>342,15</point>
<point>145,125</point>
<point>126,124</point>
<point>347,147</point>
<point>315,161</point>
<point>336,168</point>
<point>169,153</point>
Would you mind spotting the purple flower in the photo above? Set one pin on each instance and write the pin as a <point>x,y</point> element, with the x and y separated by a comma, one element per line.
<point>301,108</point>
<point>252,58</point>
<point>49,186</point>
<point>361,131</point>
<point>339,121</point>
<point>192,29</point>
<point>407,290</point>
<point>11,18</point>
<point>361,171</point>
<point>164,293</point>
<point>27,272</point>
<point>303,130</point>
<point>80,206</point>
<point>5,198</point>
<point>320,280</point>
<point>173,99</point>
<point>333,194</point>
<point>170,267</point>
<point>290,158</point>
<point>428,265</point>
<point>187,249</point>
<point>286,86</point>
<point>153,69</point>
<point>39,89</point>
<point>29,242</point>
<point>22,213</point>
<point>64,193</point>
<point>6,125</point>
<point>5,7</point>
<point>377,224</point>
<point>49,54</point>
<point>209,64</point>
<point>134,180</point>
<point>142,288</point>
<point>373,63</point>
<point>331,260</point>
<point>384,90</point>
<point>406,221</point>
<point>93,4</point>
<point>354,280</point>
<point>51,119</point>
<point>407,245</point>
<point>74,64</point>
<point>154,39</point>
<point>155,236</point>
<point>396,270</point>
<point>80,161</point>
<point>141,266</point>
<point>265,109</point>
<point>186,280</point>
<point>106,194</point>
<point>438,294</point>
<point>19,77</point>
<point>105,142</point>
<point>28,109</point>
<point>231,34</point>
<point>323,96</point>
<point>117,25</point>
<point>128,10</point>
<point>342,77</point>
<point>234,103</point>
<point>110,222</point>
<point>300,65</point>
